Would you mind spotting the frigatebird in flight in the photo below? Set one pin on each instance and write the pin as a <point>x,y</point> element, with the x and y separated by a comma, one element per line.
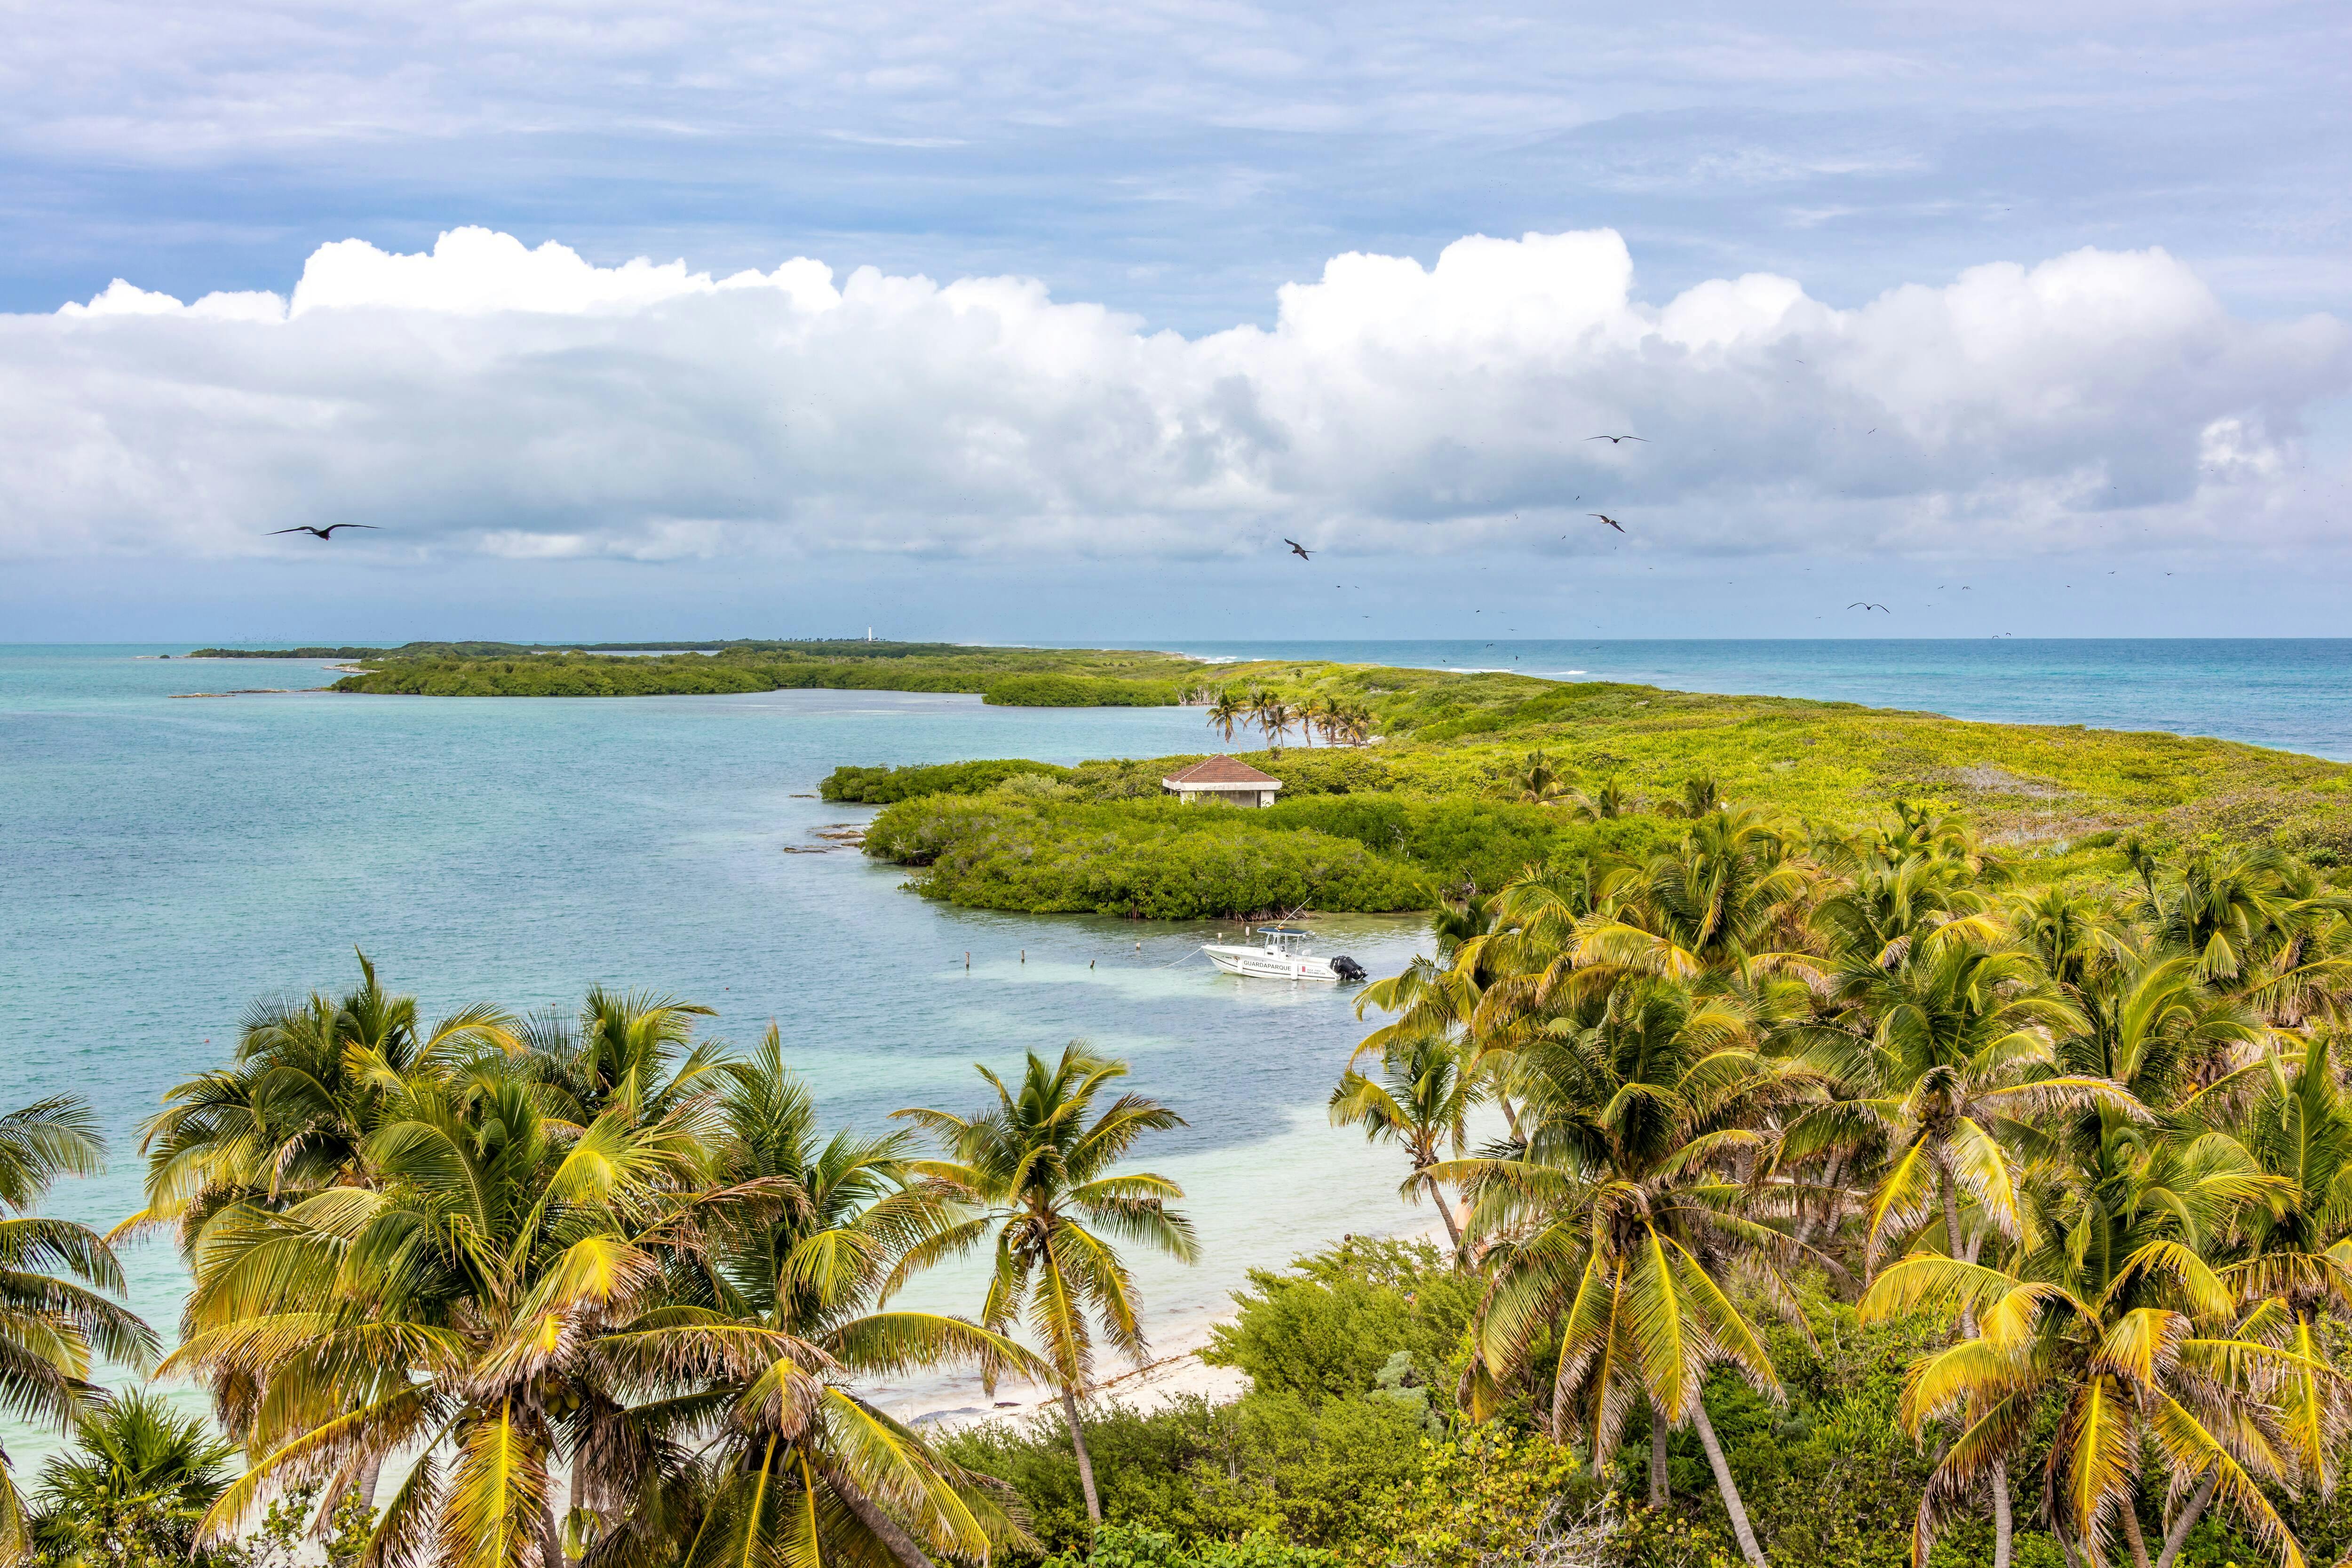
<point>1610,520</point>
<point>1613,440</point>
<point>1298,549</point>
<point>321,533</point>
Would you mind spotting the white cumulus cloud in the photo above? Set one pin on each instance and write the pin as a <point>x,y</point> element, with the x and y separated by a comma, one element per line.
<point>523,402</point>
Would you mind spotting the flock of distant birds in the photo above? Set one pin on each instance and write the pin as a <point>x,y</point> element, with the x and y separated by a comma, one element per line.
<point>1864,605</point>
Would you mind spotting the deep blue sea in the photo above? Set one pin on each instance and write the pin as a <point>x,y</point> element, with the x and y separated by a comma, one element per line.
<point>164,861</point>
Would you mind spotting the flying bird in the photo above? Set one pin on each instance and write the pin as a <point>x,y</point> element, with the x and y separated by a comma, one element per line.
<point>321,533</point>
<point>1298,549</point>
<point>1610,520</point>
<point>1866,605</point>
<point>1613,440</point>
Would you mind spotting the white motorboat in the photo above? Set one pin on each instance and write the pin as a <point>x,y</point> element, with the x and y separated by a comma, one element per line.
<point>1281,954</point>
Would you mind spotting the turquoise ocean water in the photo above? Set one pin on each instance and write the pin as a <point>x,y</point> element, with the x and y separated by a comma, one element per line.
<point>2292,693</point>
<point>163,862</point>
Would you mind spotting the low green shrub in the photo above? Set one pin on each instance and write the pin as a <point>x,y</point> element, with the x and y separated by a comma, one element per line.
<point>1075,691</point>
<point>1141,1546</point>
<point>1302,1471</point>
<point>887,785</point>
<point>1329,1325</point>
<point>1156,862</point>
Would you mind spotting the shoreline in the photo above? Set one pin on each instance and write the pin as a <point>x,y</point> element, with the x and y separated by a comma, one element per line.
<point>1174,1372</point>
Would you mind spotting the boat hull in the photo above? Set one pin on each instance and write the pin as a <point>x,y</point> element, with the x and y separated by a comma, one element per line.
<point>1258,964</point>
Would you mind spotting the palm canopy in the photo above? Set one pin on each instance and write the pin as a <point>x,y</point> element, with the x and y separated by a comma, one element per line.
<point>311,1080</point>
<point>1624,1213</point>
<point>137,1471</point>
<point>634,1045</point>
<point>1950,1042</point>
<point>1037,1173</point>
<point>802,1251</point>
<point>2111,1312</point>
<point>1717,902</point>
<point>2291,1260</point>
<point>1618,1216</point>
<point>53,1329</point>
<point>1421,1102</point>
<point>2262,928</point>
<point>503,1275</point>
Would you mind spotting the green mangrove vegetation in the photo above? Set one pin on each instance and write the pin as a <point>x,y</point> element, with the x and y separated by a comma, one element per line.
<point>1473,777</point>
<point>1050,678</point>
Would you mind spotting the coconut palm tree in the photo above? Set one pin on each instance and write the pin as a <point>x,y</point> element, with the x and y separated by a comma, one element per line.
<point>1621,1220</point>
<point>1607,804</point>
<point>1955,1036</point>
<point>1273,716</point>
<point>1702,796</point>
<point>1952,1035</point>
<point>1314,714</point>
<point>1227,712</point>
<point>2112,1314</point>
<point>1538,780</point>
<point>787,1461</point>
<point>53,1329</point>
<point>631,1046</point>
<point>131,1490</point>
<point>311,1081</point>
<point>2262,928</point>
<point>500,1272</point>
<point>1421,1102</point>
<point>2292,1262</point>
<point>1723,897</point>
<point>1042,1183</point>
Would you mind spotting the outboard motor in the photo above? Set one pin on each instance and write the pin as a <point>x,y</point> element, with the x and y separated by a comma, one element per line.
<point>1347,969</point>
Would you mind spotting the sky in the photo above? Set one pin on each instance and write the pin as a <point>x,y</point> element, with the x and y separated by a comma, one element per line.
<point>1017,321</point>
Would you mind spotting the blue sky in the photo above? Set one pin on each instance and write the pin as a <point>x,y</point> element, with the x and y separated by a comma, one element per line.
<point>2034,293</point>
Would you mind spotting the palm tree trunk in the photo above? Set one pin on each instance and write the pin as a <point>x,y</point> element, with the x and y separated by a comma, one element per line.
<point>2190,1512</point>
<point>1658,1489</point>
<point>1086,1463</point>
<point>1952,1234</point>
<point>363,1484</point>
<point>887,1530</point>
<point>2131,1533</point>
<point>1826,1220</point>
<point>2003,1527</point>
<point>1724,1484</point>
<point>551,1544</point>
<point>1445,1212</point>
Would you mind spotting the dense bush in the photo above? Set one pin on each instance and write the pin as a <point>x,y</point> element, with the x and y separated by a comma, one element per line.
<point>885,786</point>
<point>1329,1325</point>
<point>1117,1546</point>
<point>1076,692</point>
<point>1322,1456</point>
<point>1163,861</point>
<point>1158,858</point>
<point>1304,1470</point>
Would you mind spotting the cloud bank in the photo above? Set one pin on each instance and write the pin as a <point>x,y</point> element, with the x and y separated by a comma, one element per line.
<point>491,398</point>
